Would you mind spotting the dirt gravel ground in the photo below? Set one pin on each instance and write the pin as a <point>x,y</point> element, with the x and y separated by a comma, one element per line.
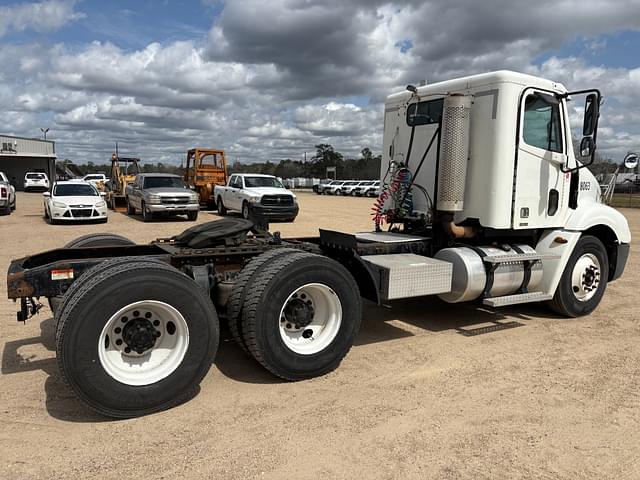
<point>419,396</point>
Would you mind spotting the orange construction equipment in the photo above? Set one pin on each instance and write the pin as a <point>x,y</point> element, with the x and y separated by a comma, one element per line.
<point>123,171</point>
<point>205,169</point>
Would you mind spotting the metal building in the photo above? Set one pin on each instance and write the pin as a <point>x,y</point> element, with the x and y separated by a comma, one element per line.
<point>21,155</point>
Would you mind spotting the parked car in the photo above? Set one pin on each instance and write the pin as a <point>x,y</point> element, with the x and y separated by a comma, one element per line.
<point>73,201</point>
<point>367,189</point>
<point>161,193</point>
<point>333,186</point>
<point>348,188</point>
<point>319,188</point>
<point>7,195</point>
<point>254,194</point>
<point>36,181</point>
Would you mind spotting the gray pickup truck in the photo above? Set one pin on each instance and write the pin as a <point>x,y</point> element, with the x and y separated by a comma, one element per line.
<point>161,193</point>
<point>7,195</point>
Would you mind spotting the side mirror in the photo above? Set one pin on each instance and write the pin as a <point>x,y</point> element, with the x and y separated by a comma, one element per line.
<point>586,147</point>
<point>591,113</point>
<point>631,161</point>
<point>46,194</point>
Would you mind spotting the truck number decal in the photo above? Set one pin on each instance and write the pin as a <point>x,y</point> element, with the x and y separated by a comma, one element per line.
<point>585,186</point>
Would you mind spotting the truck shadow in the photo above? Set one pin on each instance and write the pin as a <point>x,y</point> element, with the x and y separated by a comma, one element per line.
<point>397,320</point>
<point>60,401</point>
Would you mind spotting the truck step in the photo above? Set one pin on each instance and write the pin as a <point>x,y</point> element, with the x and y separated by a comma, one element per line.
<point>517,298</point>
<point>522,257</point>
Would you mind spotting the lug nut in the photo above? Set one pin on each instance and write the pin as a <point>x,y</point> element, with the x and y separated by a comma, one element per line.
<point>156,322</point>
<point>127,350</point>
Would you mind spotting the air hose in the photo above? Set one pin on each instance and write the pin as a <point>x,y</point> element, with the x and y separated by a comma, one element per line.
<point>395,200</point>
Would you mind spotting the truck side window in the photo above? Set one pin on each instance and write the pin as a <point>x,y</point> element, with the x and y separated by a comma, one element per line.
<point>233,181</point>
<point>424,113</point>
<point>542,122</point>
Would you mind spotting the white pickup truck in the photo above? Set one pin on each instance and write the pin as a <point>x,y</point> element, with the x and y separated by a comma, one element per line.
<point>256,195</point>
<point>7,195</point>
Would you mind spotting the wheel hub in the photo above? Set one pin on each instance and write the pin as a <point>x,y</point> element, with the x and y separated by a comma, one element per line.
<point>586,277</point>
<point>298,312</point>
<point>310,318</point>
<point>140,335</point>
<point>143,342</point>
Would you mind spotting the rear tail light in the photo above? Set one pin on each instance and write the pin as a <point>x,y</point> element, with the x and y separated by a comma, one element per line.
<point>3,192</point>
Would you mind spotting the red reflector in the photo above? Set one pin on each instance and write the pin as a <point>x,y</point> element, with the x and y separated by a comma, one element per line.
<point>66,274</point>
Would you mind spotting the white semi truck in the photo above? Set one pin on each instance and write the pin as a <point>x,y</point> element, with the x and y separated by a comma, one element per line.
<point>483,200</point>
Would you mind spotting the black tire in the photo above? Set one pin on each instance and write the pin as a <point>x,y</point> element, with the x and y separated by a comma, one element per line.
<point>99,240</point>
<point>13,205</point>
<point>245,210</point>
<point>50,219</point>
<point>146,215</point>
<point>244,282</point>
<point>222,210</point>
<point>90,240</point>
<point>565,301</point>
<point>90,307</point>
<point>5,210</point>
<point>338,192</point>
<point>130,209</point>
<point>269,292</point>
<point>192,215</point>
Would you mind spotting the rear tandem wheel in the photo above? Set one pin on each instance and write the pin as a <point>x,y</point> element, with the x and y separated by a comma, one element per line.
<point>135,337</point>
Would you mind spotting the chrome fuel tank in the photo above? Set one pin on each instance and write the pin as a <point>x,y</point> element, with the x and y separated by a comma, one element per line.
<point>470,273</point>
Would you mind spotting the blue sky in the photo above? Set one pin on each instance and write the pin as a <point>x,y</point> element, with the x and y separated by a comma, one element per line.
<point>131,24</point>
<point>269,80</point>
<point>615,50</point>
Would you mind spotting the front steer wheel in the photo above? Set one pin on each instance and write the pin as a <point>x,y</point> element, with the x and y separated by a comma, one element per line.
<point>584,279</point>
<point>301,315</point>
<point>135,338</point>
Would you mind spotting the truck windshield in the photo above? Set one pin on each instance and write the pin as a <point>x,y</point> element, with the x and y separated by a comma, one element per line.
<point>33,176</point>
<point>164,182</point>
<point>253,182</point>
<point>74,190</point>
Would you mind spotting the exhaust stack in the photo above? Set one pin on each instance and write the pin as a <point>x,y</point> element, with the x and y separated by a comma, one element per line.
<point>454,152</point>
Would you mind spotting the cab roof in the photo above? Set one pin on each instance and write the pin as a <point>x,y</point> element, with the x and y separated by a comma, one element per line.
<point>480,80</point>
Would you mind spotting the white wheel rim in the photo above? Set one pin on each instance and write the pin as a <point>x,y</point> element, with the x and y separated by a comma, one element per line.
<point>585,278</point>
<point>310,329</point>
<point>155,362</point>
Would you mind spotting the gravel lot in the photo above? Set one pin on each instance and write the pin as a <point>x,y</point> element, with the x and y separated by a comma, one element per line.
<point>415,398</point>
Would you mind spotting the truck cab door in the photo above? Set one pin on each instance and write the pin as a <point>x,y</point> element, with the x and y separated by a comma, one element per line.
<point>230,194</point>
<point>541,189</point>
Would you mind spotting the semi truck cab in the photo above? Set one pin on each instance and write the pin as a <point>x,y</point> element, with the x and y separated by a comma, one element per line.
<point>516,176</point>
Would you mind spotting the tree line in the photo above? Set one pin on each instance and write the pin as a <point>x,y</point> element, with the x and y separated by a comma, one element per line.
<point>365,167</point>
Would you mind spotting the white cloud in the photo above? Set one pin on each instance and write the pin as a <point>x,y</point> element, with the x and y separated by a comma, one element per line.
<point>46,16</point>
<point>272,79</point>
